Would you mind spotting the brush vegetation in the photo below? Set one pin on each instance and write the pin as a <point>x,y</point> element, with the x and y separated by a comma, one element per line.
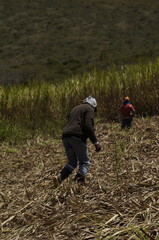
<point>41,108</point>
<point>53,54</point>
<point>50,40</point>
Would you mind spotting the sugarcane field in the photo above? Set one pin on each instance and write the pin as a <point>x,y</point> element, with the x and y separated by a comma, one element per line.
<point>79,120</point>
<point>120,199</point>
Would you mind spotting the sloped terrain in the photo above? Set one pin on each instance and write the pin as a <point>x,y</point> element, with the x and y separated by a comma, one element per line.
<point>46,40</point>
<point>120,199</point>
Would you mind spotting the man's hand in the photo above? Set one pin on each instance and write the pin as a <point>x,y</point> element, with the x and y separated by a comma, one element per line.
<point>97,147</point>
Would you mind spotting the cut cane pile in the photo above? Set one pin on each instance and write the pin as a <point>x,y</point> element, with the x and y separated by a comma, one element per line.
<point>120,199</point>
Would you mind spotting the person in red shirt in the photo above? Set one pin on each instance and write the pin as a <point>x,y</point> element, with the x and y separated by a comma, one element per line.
<point>127,112</point>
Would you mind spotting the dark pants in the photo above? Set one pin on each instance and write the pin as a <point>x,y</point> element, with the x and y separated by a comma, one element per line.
<point>77,153</point>
<point>126,123</point>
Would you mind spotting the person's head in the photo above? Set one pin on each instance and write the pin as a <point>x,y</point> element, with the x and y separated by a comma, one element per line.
<point>126,100</point>
<point>91,101</point>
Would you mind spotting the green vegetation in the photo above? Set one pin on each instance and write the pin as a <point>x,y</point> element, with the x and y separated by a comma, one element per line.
<point>51,40</point>
<point>53,54</point>
<point>42,107</point>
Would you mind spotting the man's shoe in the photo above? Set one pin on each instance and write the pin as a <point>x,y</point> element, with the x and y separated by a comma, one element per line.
<point>79,178</point>
<point>57,181</point>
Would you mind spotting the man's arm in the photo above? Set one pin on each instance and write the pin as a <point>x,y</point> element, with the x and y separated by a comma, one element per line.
<point>132,111</point>
<point>89,126</point>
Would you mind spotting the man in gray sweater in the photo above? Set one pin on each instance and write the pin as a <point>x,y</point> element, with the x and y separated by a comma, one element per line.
<point>79,128</point>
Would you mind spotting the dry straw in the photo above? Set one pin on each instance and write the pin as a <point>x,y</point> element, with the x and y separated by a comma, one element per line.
<point>116,202</point>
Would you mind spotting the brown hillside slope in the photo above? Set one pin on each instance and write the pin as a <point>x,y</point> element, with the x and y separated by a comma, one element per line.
<point>119,201</point>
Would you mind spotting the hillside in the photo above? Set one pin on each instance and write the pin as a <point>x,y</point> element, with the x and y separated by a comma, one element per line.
<point>119,201</point>
<point>52,40</point>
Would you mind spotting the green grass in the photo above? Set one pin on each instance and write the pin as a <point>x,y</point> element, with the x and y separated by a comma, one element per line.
<point>52,40</point>
<point>42,107</point>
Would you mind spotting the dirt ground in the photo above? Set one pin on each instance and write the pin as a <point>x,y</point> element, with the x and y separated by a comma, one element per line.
<point>120,199</point>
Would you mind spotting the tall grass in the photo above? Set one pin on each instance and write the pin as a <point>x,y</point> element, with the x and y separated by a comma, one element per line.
<point>43,107</point>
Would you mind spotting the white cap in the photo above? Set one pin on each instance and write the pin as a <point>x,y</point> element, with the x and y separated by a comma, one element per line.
<point>92,101</point>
